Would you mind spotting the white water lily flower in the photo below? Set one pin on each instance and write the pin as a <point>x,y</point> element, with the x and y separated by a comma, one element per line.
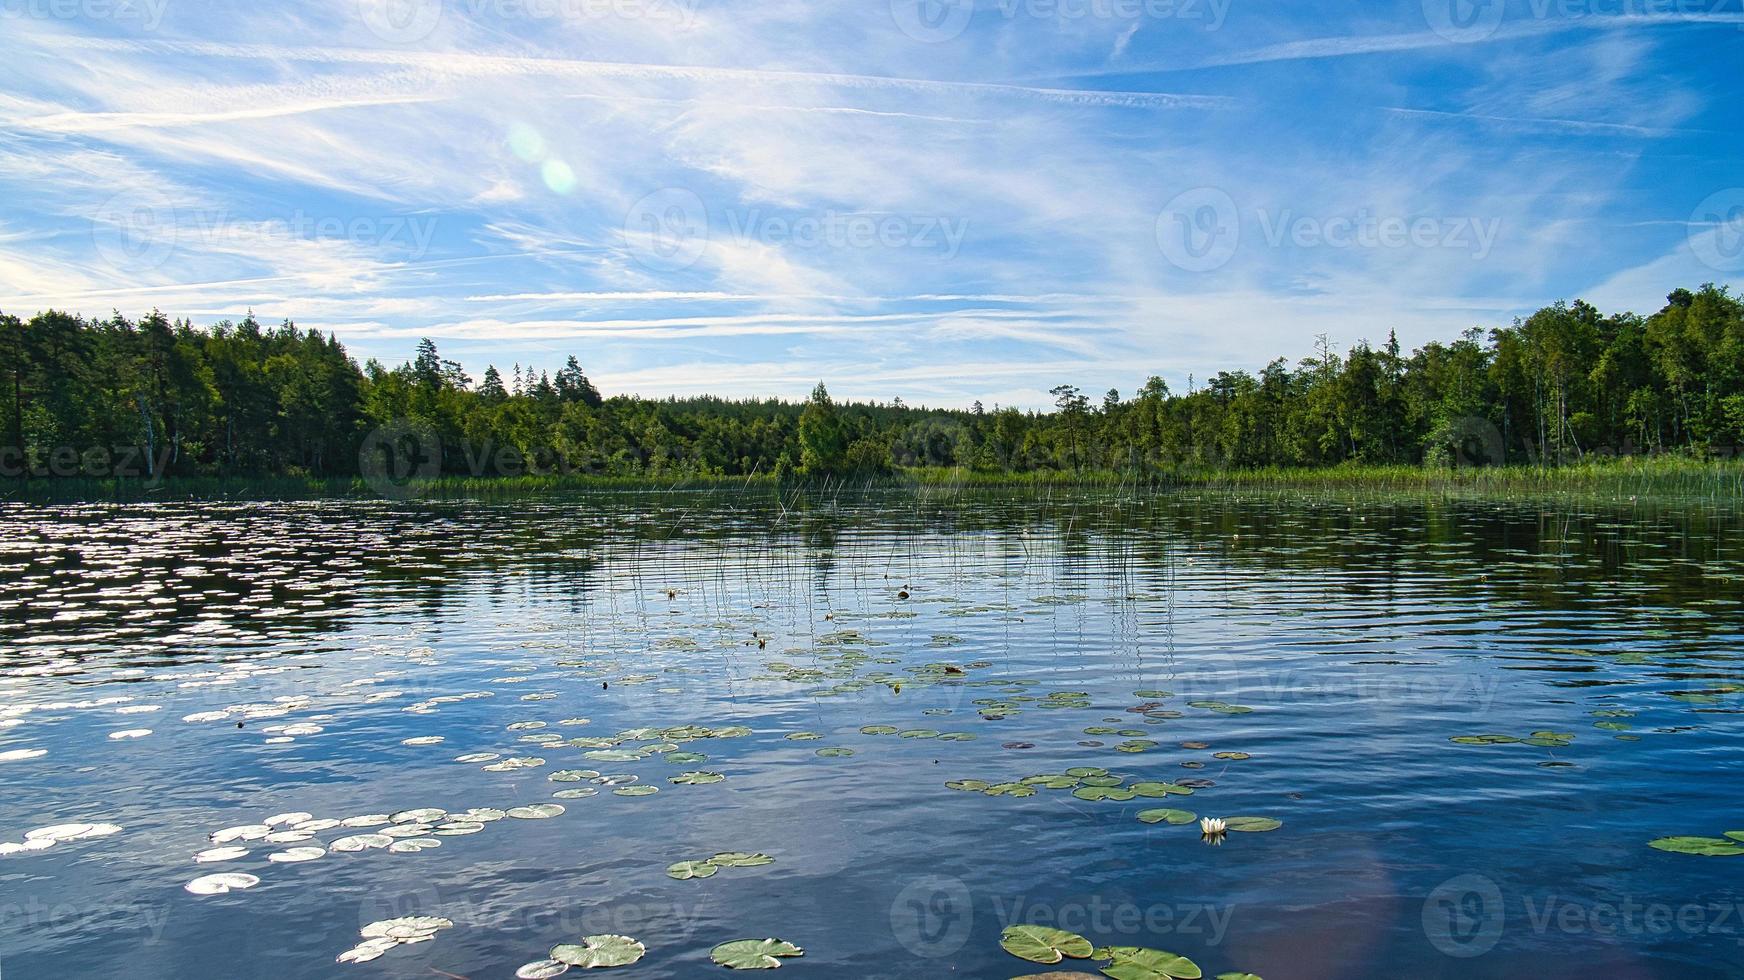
<point>1212,826</point>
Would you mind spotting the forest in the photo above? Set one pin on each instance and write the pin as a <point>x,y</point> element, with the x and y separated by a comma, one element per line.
<point>159,398</point>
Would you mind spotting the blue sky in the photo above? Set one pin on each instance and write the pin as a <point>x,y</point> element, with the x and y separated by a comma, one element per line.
<point>918,198</point>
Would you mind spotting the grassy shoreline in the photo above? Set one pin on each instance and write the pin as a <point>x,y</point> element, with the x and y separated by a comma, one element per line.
<point>1659,477</point>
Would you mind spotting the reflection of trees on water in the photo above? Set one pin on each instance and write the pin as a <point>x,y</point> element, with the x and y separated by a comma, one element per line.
<point>167,570</point>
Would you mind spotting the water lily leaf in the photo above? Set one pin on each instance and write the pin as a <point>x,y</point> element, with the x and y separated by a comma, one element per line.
<point>1042,944</point>
<point>835,753</point>
<point>1252,825</point>
<point>541,970</point>
<point>635,791</point>
<point>754,954</point>
<point>1166,815</point>
<point>1231,756</point>
<point>1142,963</point>
<point>741,859</point>
<point>1706,846</point>
<point>696,778</point>
<point>600,951</point>
<point>1087,771</point>
<point>1239,976</point>
<point>1159,790</point>
<point>878,730</point>
<point>967,785</point>
<point>219,884</point>
<point>686,870</point>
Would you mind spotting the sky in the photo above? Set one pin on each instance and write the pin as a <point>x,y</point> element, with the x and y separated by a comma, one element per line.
<point>939,200</point>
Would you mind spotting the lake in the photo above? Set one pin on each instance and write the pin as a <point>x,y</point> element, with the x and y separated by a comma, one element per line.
<point>905,720</point>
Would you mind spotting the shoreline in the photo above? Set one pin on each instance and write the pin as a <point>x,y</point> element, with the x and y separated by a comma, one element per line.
<point>1667,477</point>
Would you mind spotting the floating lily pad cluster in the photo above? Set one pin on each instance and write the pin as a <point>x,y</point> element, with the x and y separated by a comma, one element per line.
<point>706,868</point>
<point>385,934</point>
<point>1089,783</point>
<point>593,952</point>
<point>1048,946</point>
<point>43,838</point>
<point>403,832</point>
<point>1542,739</point>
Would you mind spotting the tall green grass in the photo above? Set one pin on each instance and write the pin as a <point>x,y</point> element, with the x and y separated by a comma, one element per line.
<point>1668,477</point>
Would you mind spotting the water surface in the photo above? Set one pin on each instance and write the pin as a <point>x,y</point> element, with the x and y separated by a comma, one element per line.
<point>288,652</point>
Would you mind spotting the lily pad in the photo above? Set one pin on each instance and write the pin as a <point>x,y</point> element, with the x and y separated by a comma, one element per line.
<point>754,954</point>
<point>1166,815</point>
<point>1252,825</point>
<point>599,951</point>
<point>1042,944</point>
<point>686,870</point>
<point>1142,963</point>
<point>741,859</point>
<point>1705,846</point>
<point>219,884</point>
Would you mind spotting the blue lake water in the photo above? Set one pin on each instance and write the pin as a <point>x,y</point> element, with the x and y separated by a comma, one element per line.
<point>298,659</point>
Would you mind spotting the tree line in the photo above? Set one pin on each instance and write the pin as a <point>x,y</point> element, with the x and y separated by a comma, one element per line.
<point>86,397</point>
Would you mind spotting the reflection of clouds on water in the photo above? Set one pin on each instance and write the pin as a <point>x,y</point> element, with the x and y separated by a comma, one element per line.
<point>345,637</point>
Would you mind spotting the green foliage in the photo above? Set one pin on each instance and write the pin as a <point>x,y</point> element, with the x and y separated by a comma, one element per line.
<point>1565,387</point>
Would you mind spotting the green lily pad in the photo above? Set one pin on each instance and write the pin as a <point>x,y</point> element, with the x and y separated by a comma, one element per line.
<point>835,752</point>
<point>754,954</point>
<point>1166,815</point>
<point>599,951</point>
<point>741,859</point>
<point>967,785</point>
<point>1705,846</point>
<point>686,757</point>
<point>1239,976</point>
<point>1142,963</point>
<point>1231,756</point>
<point>803,737</point>
<point>695,778</point>
<point>635,790</point>
<point>1154,790</point>
<point>686,870</point>
<point>1252,825</point>
<point>1041,944</point>
<point>1086,771</point>
<point>878,730</point>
